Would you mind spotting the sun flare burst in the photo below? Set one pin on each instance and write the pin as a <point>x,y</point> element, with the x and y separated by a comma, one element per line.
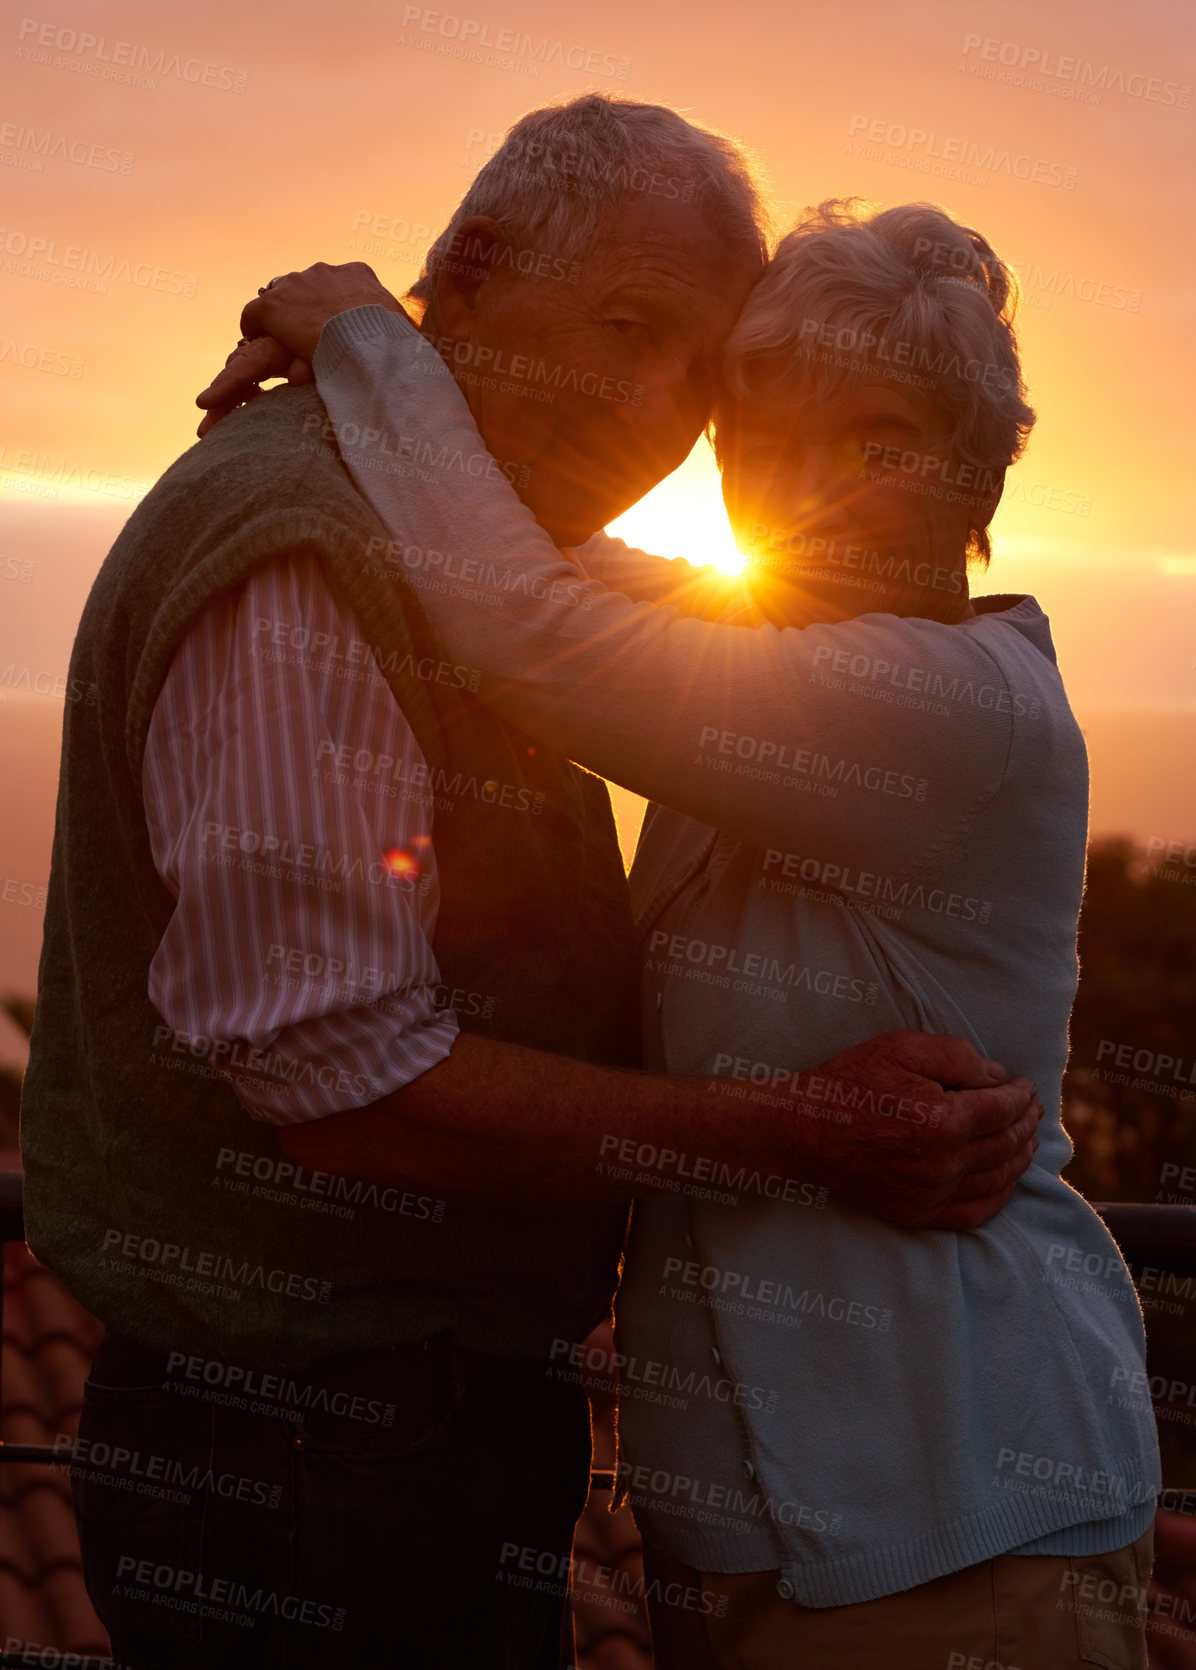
<point>684,517</point>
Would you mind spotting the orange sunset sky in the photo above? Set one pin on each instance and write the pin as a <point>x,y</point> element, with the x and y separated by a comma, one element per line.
<point>193,152</point>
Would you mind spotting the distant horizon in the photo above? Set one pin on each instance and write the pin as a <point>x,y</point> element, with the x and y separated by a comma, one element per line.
<point>1130,798</point>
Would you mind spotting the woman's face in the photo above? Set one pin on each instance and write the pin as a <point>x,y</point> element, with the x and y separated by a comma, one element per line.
<point>854,503</point>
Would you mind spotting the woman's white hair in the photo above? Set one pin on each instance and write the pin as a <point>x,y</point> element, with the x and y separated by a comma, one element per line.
<point>563,171</point>
<point>906,293</point>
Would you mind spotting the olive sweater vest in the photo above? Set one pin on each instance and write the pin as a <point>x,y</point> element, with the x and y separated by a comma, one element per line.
<point>126,1196</point>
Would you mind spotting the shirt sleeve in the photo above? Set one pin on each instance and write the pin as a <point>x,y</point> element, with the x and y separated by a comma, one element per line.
<point>834,736</point>
<point>278,785</point>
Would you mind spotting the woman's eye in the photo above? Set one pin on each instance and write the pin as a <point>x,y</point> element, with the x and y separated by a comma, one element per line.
<point>627,327</point>
<point>886,426</point>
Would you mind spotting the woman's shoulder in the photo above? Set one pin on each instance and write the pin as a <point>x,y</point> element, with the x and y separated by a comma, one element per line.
<point>1013,631</point>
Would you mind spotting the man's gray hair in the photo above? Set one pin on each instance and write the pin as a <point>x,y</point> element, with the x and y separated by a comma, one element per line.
<point>905,293</point>
<point>562,173</point>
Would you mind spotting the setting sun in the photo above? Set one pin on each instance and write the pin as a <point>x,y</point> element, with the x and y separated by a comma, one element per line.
<point>684,516</point>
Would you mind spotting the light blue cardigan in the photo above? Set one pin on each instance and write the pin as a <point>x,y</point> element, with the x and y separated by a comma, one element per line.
<point>876,824</point>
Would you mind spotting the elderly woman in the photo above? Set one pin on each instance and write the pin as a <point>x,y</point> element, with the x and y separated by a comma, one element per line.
<point>895,1447</point>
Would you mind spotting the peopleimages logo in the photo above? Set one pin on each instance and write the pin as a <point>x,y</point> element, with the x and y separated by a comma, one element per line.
<point>115,60</point>
<point>1183,1177</point>
<point>250,1066</point>
<point>550,1572</point>
<point>537,378</point>
<point>170,1256</point>
<point>33,358</point>
<point>820,1095</point>
<point>951,472</point>
<point>1037,67</point>
<point>1142,1391</point>
<point>755,965</point>
<point>675,1166</point>
<point>202,1595</point>
<point>32,256</point>
<point>251,1389</point>
<point>928,681</point>
<point>1171,858</point>
<point>1105,1274</point>
<point>938,367</point>
<point>1159,1063</point>
<point>1069,1476</point>
<point>162,1477</point>
<point>285,1180</point>
<point>1041,285</point>
<point>54,1658</point>
<point>32,148</point>
<point>630,1373</point>
<point>744,1285</point>
<point>414,450</point>
<point>916,148</point>
<point>46,476</point>
<point>769,759</point>
<point>814,555</point>
<point>709,1503</point>
<point>867,887</point>
<point>471,36</point>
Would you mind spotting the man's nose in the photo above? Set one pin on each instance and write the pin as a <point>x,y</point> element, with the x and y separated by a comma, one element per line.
<point>666,413</point>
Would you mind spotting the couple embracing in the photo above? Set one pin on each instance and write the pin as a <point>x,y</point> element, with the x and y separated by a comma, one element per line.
<point>335,829</point>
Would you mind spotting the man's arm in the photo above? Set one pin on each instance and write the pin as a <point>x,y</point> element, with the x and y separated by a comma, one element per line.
<point>498,1122</point>
<point>292,945</point>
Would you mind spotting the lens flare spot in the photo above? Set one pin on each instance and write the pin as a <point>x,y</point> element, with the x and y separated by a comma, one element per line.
<point>401,862</point>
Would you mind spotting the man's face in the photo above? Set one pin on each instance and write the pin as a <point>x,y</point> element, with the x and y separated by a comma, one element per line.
<point>852,503</point>
<point>599,387</point>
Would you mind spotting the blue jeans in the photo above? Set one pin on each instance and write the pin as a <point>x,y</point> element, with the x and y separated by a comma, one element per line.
<point>388,1507</point>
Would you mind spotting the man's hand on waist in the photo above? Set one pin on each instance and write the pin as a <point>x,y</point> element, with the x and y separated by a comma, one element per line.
<point>920,1130</point>
<point>875,1125</point>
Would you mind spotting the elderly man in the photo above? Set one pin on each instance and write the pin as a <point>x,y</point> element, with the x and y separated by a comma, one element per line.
<point>382,945</point>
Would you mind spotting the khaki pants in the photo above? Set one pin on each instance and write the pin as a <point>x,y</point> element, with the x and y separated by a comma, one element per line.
<point>1034,1612</point>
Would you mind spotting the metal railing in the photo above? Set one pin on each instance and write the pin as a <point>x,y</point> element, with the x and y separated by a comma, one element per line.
<point>1135,1228</point>
<point>1133,1225</point>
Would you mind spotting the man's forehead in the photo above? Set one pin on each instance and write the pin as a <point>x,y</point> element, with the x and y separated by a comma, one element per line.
<point>666,275</point>
<point>682,245</point>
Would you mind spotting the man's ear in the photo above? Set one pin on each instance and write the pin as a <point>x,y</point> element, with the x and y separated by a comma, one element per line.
<point>477,251</point>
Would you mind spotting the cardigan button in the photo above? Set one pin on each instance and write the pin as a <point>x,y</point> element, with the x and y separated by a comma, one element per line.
<point>785,1589</point>
<point>749,1472</point>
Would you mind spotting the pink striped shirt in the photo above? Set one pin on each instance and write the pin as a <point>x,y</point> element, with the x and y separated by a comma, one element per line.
<point>280,781</point>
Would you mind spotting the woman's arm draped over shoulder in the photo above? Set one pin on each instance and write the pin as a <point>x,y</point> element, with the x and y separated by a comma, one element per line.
<point>775,734</point>
<point>700,591</point>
